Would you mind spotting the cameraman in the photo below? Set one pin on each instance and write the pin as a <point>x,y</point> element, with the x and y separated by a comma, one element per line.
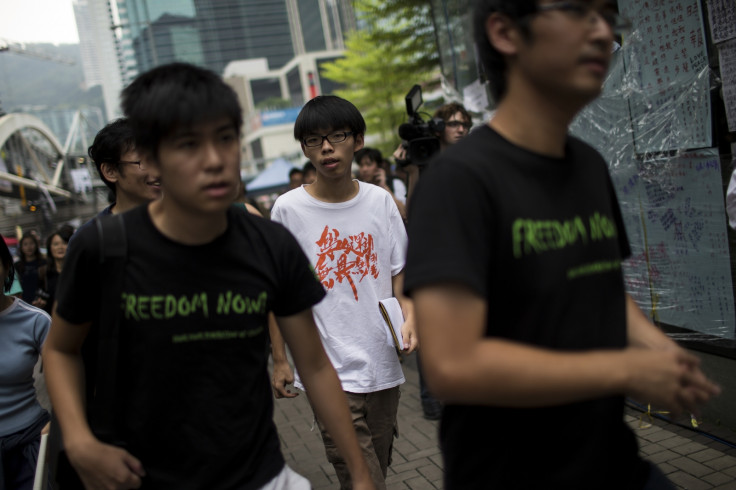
<point>457,125</point>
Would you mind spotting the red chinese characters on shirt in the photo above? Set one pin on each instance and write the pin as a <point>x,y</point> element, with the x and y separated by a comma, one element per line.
<point>348,259</point>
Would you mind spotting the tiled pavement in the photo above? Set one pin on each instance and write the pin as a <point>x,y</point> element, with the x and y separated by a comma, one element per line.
<point>417,462</point>
<point>691,460</point>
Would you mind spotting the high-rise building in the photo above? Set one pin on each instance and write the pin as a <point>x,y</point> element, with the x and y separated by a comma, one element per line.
<point>121,38</point>
<point>100,64</point>
<point>277,46</point>
<point>211,33</point>
<point>271,100</point>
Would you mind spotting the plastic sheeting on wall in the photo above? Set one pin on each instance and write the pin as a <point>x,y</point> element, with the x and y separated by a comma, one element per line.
<point>653,125</point>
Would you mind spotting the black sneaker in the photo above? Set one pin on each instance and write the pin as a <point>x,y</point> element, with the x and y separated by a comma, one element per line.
<point>432,410</point>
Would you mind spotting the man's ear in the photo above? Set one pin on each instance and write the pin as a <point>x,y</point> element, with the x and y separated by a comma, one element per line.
<point>110,172</point>
<point>503,34</point>
<point>304,149</point>
<point>359,142</point>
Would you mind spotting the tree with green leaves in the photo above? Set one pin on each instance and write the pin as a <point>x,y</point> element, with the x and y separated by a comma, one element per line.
<point>394,48</point>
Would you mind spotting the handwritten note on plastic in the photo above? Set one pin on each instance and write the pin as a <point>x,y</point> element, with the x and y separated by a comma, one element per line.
<point>722,17</point>
<point>727,62</point>
<point>667,74</point>
<point>676,222</point>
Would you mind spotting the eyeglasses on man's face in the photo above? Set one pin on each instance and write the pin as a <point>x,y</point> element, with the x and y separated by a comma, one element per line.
<point>586,11</point>
<point>457,124</point>
<point>316,140</point>
<point>138,163</point>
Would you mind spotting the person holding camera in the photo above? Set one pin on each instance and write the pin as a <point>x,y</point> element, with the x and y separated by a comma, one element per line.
<point>457,124</point>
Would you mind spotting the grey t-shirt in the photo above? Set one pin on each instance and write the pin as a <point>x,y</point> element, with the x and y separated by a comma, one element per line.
<point>24,331</point>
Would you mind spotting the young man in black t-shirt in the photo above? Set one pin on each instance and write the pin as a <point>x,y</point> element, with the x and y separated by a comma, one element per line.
<point>122,169</point>
<point>194,398</point>
<point>514,264</point>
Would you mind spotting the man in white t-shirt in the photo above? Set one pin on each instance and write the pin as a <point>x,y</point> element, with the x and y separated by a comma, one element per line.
<point>354,236</point>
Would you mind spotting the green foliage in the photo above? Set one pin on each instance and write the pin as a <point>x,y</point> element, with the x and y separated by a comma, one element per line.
<point>393,49</point>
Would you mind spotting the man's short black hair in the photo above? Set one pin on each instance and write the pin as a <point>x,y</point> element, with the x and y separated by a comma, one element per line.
<point>173,96</point>
<point>295,171</point>
<point>492,61</point>
<point>308,167</point>
<point>372,153</point>
<point>109,146</point>
<point>328,112</point>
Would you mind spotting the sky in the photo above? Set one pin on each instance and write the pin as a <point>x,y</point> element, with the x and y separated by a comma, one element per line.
<point>29,21</point>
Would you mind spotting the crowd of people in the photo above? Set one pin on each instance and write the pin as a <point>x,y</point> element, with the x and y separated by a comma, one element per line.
<point>37,273</point>
<point>522,336</point>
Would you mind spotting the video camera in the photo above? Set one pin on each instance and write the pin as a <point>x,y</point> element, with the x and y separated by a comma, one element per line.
<point>422,142</point>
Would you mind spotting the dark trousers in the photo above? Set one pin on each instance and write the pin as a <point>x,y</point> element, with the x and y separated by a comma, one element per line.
<point>429,402</point>
<point>19,454</point>
<point>657,480</point>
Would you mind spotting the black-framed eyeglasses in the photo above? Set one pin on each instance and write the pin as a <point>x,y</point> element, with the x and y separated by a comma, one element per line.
<point>588,10</point>
<point>316,140</point>
<point>139,163</point>
<point>457,124</point>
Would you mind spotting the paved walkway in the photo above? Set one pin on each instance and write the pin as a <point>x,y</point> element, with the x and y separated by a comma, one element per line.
<point>691,460</point>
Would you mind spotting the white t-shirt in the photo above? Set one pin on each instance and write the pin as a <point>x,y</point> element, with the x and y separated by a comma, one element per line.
<point>356,247</point>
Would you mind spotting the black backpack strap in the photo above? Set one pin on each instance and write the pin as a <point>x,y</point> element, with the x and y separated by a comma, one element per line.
<point>103,346</point>
<point>113,252</point>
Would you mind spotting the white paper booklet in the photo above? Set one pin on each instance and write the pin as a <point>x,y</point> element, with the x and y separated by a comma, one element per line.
<point>394,317</point>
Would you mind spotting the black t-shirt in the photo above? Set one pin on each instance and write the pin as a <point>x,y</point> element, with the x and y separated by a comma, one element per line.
<point>542,240</point>
<point>195,400</point>
<point>49,279</point>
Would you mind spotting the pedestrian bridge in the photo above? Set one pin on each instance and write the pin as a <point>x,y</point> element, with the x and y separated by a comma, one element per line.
<point>40,179</point>
<point>31,155</point>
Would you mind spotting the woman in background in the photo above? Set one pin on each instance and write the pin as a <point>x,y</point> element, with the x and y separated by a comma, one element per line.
<point>31,259</point>
<point>23,329</point>
<point>49,273</point>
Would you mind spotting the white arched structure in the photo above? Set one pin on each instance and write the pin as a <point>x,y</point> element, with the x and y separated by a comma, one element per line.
<point>13,123</point>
